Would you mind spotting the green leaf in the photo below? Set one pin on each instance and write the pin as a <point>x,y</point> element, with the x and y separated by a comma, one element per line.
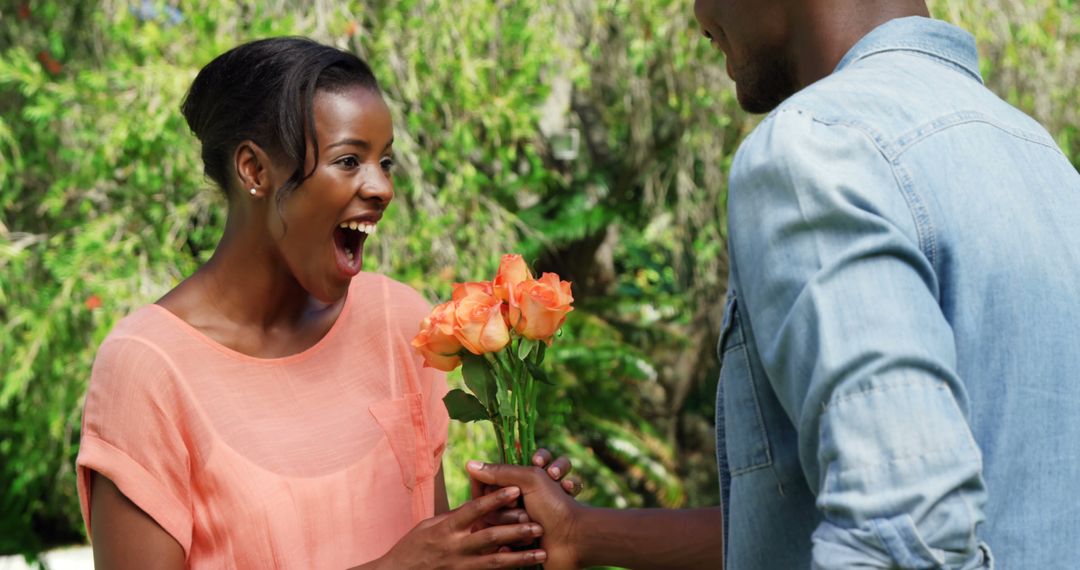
<point>464,407</point>
<point>526,347</point>
<point>479,378</point>
<point>538,373</point>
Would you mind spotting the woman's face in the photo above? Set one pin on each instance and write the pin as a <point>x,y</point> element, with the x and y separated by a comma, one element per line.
<point>321,228</point>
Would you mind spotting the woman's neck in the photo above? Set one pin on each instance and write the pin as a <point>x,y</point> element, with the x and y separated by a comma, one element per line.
<point>250,285</point>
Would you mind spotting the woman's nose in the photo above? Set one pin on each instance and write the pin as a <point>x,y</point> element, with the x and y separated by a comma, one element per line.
<point>377,185</point>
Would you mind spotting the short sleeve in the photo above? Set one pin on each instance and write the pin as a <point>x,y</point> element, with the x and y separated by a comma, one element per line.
<point>133,433</point>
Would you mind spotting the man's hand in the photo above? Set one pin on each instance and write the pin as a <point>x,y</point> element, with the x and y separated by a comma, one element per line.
<point>558,469</point>
<point>546,502</point>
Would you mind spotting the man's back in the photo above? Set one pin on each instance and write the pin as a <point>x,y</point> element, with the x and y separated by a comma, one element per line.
<point>902,344</point>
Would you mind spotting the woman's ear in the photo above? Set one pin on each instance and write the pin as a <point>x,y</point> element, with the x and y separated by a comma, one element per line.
<point>252,168</point>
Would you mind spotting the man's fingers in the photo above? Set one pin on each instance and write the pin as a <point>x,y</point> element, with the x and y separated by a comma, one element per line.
<point>491,538</point>
<point>572,486</point>
<point>510,559</point>
<point>502,475</point>
<point>507,516</point>
<point>465,515</point>
<point>559,468</point>
<point>541,458</point>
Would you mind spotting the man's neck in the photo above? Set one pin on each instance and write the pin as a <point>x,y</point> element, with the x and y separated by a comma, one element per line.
<point>825,31</point>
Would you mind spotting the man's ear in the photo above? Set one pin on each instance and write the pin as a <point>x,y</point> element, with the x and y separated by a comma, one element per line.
<point>252,166</point>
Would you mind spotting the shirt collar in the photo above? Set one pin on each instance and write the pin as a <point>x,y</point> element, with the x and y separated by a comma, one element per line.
<point>924,35</point>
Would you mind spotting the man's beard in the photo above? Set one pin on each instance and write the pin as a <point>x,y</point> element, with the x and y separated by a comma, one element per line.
<point>763,86</point>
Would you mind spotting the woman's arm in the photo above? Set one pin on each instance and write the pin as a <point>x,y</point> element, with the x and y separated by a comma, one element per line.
<point>442,503</point>
<point>124,536</point>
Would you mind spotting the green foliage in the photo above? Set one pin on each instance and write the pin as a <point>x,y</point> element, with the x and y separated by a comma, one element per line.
<point>1029,56</point>
<point>103,205</point>
<point>464,407</point>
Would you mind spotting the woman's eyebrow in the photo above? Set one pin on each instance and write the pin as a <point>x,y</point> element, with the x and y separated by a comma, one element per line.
<point>355,142</point>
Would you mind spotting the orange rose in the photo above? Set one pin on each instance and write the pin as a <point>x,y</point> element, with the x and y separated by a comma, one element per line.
<point>479,322</point>
<point>462,289</point>
<point>436,340</point>
<point>512,272</point>
<point>540,307</point>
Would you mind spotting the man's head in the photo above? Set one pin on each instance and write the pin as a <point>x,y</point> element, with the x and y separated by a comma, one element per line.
<point>776,47</point>
<point>755,38</point>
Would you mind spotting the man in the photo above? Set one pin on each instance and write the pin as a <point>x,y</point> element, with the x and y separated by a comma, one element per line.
<point>900,382</point>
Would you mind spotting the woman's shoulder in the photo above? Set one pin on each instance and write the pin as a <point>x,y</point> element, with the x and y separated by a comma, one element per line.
<point>134,370</point>
<point>139,346</point>
<point>151,326</point>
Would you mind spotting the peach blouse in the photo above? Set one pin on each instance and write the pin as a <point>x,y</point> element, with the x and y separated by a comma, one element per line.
<point>322,459</point>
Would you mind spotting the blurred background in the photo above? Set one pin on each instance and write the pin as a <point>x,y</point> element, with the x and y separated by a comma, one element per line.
<point>592,136</point>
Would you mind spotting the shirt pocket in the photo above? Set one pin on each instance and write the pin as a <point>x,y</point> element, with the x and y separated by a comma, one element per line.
<point>403,422</point>
<point>746,440</point>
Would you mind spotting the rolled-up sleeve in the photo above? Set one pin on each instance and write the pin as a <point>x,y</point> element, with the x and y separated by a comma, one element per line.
<point>835,259</point>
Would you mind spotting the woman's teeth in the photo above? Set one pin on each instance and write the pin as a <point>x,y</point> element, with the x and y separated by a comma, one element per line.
<point>367,228</point>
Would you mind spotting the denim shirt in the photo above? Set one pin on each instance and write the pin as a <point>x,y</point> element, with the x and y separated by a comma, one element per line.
<point>900,380</point>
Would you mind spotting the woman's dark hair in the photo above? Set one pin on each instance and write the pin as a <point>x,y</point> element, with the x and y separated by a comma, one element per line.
<point>264,91</point>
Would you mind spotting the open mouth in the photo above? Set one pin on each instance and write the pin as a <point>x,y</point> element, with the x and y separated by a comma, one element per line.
<point>349,238</point>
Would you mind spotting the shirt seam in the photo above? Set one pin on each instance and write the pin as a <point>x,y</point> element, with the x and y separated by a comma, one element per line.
<point>174,375</point>
<point>886,387</point>
<point>903,458</point>
<point>751,380</point>
<point>920,215</point>
<point>911,138</point>
<point>733,279</point>
<point>952,60</point>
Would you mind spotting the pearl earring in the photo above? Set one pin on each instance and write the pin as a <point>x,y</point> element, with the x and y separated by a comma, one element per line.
<point>254,191</point>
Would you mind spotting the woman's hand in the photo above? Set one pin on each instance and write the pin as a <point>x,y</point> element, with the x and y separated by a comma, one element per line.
<point>449,541</point>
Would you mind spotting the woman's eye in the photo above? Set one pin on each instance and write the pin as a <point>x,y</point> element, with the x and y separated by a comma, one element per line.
<point>387,164</point>
<point>349,162</point>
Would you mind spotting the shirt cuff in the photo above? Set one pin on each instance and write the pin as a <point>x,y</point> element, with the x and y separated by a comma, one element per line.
<point>136,483</point>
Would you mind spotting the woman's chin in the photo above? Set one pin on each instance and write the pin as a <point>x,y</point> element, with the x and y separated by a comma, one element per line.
<point>334,284</point>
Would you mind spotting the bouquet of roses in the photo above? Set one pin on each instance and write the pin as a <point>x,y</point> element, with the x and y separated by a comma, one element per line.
<point>498,332</point>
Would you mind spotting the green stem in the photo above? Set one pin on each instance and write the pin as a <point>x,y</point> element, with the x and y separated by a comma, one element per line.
<point>506,378</point>
<point>502,427</point>
<point>532,391</point>
<point>498,425</point>
<point>522,378</point>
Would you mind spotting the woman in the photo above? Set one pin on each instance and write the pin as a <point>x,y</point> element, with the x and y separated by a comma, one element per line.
<point>269,411</point>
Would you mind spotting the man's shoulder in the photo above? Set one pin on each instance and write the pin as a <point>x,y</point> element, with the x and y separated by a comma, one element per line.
<point>900,98</point>
<point>797,141</point>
